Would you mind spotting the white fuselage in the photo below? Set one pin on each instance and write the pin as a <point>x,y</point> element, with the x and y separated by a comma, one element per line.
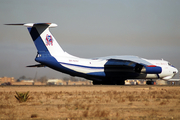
<point>97,65</point>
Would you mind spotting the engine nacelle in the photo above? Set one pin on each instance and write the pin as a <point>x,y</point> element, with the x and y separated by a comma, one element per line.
<point>151,69</point>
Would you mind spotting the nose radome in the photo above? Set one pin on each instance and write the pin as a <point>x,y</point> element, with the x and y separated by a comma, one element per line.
<point>175,71</point>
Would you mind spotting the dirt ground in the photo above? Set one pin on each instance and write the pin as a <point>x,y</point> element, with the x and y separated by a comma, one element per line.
<point>91,102</point>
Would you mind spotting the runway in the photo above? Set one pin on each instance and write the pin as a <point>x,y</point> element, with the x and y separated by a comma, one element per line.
<point>55,88</point>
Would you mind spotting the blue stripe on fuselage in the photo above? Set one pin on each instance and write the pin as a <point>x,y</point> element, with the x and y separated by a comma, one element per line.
<point>82,66</point>
<point>51,62</point>
<point>102,74</point>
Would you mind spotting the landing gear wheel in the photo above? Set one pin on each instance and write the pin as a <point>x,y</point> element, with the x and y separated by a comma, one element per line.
<point>149,82</point>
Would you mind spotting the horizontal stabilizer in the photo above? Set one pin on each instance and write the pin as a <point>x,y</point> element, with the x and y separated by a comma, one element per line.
<point>33,24</point>
<point>15,24</point>
<point>37,65</point>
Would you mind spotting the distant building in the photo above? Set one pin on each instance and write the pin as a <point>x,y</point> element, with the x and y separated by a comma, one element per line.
<point>24,80</point>
<point>135,82</point>
<point>174,82</point>
<point>54,82</point>
<point>6,79</point>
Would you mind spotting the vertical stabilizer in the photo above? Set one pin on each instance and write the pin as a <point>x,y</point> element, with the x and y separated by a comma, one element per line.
<point>43,39</point>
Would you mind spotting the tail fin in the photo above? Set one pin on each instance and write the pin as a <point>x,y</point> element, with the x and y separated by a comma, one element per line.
<point>43,39</point>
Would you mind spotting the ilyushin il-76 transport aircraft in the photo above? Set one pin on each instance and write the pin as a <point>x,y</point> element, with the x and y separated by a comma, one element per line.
<point>102,70</point>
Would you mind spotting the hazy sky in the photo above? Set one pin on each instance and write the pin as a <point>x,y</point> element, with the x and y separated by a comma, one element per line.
<point>90,28</point>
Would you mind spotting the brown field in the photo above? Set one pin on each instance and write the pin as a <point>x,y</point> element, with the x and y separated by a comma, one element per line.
<point>91,102</point>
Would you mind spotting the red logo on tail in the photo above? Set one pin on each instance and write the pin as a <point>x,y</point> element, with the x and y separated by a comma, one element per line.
<point>49,40</point>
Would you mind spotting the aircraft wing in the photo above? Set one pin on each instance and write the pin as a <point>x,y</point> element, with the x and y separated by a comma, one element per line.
<point>131,66</point>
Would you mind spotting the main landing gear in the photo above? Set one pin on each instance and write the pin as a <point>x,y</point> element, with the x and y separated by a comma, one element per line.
<point>150,82</point>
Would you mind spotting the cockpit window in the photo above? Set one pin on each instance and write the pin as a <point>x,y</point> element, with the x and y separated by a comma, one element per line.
<point>170,64</point>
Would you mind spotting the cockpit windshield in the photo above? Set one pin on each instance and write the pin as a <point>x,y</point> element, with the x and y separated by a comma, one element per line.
<point>170,64</point>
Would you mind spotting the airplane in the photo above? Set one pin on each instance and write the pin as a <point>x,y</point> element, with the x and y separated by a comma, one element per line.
<point>109,70</point>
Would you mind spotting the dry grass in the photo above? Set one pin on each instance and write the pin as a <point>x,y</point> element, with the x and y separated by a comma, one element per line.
<point>105,102</point>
